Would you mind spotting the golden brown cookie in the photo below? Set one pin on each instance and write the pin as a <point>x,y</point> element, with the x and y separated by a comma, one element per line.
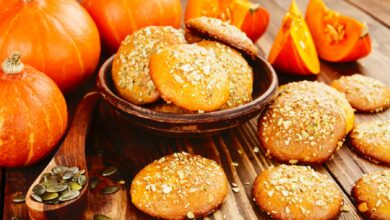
<point>179,186</point>
<point>372,140</point>
<point>130,70</point>
<point>372,195</point>
<point>297,192</point>
<point>364,93</point>
<point>191,37</point>
<point>302,125</point>
<point>216,29</point>
<point>191,77</point>
<point>240,73</point>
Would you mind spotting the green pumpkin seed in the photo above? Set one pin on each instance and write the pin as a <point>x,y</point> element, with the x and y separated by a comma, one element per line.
<point>39,189</point>
<point>68,175</point>
<point>82,180</point>
<point>93,183</point>
<point>53,202</point>
<point>19,198</point>
<point>101,217</point>
<point>69,195</point>
<point>109,171</point>
<point>74,170</point>
<point>56,188</point>
<point>58,170</point>
<point>49,196</point>
<point>74,186</point>
<point>36,197</point>
<point>109,190</point>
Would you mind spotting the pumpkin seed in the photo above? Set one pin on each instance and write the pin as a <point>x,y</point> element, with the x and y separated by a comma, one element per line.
<point>101,217</point>
<point>74,170</point>
<point>93,183</point>
<point>56,188</point>
<point>19,198</point>
<point>69,195</point>
<point>81,172</point>
<point>39,189</point>
<point>58,170</point>
<point>49,196</point>
<point>68,175</point>
<point>82,180</point>
<point>53,202</point>
<point>109,171</point>
<point>74,186</point>
<point>36,197</point>
<point>16,218</point>
<point>109,190</point>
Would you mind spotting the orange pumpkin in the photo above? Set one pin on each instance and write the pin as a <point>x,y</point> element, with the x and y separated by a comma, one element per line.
<point>33,114</point>
<point>249,17</point>
<point>118,18</point>
<point>57,37</point>
<point>338,38</point>
<point>293,50</point>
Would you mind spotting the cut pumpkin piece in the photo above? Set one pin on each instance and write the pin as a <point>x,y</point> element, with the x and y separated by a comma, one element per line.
<point>338,38</point>
<point>293,50</point>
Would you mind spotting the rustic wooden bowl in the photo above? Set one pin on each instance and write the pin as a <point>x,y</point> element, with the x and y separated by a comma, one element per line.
<point>193,124</point>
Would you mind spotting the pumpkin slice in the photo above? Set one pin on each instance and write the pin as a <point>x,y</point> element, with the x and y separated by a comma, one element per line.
<point>338,38</point>
<point>293,50</point>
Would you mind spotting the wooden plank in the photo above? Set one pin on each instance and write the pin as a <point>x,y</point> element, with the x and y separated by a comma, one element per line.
<point>2,179</point>
<point>378,9</point>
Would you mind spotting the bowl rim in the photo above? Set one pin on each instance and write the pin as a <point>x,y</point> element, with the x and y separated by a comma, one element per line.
<point>185,118</point>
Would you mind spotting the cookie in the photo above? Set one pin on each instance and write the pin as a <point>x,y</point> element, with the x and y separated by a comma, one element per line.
<point>191,37</point>
<point>365,94</point>
<point>372,195</point>
<point>191,77</point>
<point>167,108</point>
<point>240,73</point>
<point>297,192</point>
<point>179,186</point>
<point>130,70</point>
<point>372,140</point>
<point>302,125</point>
<point>216,29</point>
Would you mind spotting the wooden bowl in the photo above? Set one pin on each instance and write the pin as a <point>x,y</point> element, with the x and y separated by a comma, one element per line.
<point>191,124</point>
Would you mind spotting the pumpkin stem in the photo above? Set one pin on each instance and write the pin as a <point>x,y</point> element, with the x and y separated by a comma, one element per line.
<point>12,65</point>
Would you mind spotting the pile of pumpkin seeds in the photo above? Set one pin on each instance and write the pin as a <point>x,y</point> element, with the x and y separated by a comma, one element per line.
<point>60,185</point>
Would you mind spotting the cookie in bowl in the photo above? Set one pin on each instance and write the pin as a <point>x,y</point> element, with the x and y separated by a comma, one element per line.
<point>179,186</point>
<point>130,69</point>
<point>297,192</point>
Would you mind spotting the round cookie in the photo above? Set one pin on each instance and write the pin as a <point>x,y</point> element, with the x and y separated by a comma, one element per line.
<point>297,192</point>
<point>190,76</point>
<point>372,140</point>
<point>130,70</point>
<point>240,73</point>
<point>178,186</point>
<point>216,29</point>
<point>191,37</point>
<point>372,195</point>
<point>302,126</point>
<point>364,93</point>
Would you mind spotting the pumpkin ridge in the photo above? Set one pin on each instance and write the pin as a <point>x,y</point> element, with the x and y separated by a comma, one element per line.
<point>43,64</point>
<point>133,23</point>
<point>8,30</point>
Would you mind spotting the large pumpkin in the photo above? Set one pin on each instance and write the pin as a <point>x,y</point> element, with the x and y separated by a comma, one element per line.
<point>118,18</point>
<point>58,37</point>
<point>33,114</point>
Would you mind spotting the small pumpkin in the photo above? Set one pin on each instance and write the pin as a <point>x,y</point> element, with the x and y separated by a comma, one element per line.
<point>58,37</point>
<point>293,50</point>
<point>118,18</point>
<point>338,38</point>
<point>249,17</point>
<point>33,114</point>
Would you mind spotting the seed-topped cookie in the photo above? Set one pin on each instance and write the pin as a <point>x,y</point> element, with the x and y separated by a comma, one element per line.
<point>130,70</point>
<point>372,140</point>
<point>297,192</point>
<point>239,72</point>
<point>372,195</point>
<point>179,186</point>
<point>191,77</point>
<point>364,93</point>
<point>302,126</point>
<point>216,29</point>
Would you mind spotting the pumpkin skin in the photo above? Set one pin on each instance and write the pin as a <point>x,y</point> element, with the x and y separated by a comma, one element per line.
<point>338,38</point>
<point>118,18</point>
<point>33,116</point>
<point>249,17</point>
<point>57,37</point>
<point>293,50</point>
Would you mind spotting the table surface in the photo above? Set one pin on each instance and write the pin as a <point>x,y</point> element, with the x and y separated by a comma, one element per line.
<point>111,142</point>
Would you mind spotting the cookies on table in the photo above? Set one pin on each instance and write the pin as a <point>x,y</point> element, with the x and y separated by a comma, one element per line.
<point>240,73</point>
<point>364,93</point>
<point>130,70</point>
<point>302,125</point>
<point>372,195</point>
<point>179,186</point>
<point>190,76</point>
<point>216,29</point>
<point>372,140</point>
<point>297,192</point>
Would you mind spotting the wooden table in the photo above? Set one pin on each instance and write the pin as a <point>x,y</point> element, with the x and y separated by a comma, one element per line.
<point>113,143</point>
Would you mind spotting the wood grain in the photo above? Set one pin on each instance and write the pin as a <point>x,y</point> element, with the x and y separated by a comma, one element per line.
<point>375,8</point>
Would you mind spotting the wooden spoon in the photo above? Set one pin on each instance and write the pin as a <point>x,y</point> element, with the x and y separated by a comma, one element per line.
<point>70,153</point>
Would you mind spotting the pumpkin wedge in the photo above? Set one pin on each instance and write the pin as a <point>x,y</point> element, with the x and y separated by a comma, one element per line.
<point>338,38</point>
<point>293,50</point>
